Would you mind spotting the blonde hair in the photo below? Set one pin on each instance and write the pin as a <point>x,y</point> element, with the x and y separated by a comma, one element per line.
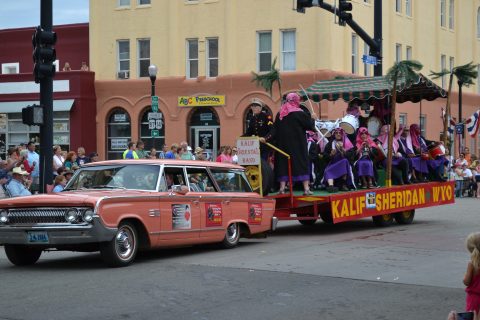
<point>473,244</point>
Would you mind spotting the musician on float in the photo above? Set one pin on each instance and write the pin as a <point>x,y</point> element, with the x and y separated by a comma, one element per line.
<point>259,125</point>
<point>400,167</point>
<point>338,171</point>
<point>436,166</point>
<point>418,167</point>
<point>364,150</point>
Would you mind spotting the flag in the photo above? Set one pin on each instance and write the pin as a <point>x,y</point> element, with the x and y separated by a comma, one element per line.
<point>472,124</point>
<point>451,126</point>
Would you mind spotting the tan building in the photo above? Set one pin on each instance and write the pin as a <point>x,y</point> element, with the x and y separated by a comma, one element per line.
<point>210,47</point>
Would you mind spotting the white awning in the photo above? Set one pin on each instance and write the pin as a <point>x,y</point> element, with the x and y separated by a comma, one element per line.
<point>16,106</point>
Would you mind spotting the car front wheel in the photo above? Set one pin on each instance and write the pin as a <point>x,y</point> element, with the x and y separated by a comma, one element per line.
<point>21,255</point>
<point>232,236</point>
<point>122,249</point>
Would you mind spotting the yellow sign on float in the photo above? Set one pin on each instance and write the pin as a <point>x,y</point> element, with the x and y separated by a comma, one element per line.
<point>201,101</point>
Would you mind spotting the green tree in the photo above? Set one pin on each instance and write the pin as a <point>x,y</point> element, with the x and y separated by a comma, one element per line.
<point>267,80</point>
<point>465,75</point>
<point>405,73</point>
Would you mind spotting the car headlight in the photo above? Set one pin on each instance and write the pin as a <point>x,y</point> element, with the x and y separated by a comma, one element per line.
<point>71,215</point>
<point>87,215</point>
<point>3,216</point>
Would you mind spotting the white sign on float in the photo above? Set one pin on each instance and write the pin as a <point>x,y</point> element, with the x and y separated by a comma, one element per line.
<point>248,151</point>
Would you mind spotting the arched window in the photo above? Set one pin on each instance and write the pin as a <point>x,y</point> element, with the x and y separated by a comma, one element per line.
<point>248,115</point>
<point>478,23</point>
<point>152,129</point>
<point>119,133</point>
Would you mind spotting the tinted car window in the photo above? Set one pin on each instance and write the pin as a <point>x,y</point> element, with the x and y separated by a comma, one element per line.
<point>143,177</point>
<point>231,180</point>
<point>199,180</point>
<point>172,176</point>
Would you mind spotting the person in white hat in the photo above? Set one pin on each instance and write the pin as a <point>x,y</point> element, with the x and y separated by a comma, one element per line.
<point>16,186</point>
<point>259,125</point>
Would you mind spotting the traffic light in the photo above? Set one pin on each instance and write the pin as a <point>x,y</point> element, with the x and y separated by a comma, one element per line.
<point>302,4</point>
<point>43,53</point>
<point>344,6</point>
<point>32,115</point>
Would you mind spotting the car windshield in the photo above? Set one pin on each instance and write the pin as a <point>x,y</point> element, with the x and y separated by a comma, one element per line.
<point>139,177</point>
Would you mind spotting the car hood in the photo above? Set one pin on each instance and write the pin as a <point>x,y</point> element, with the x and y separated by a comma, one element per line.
<point>68,198</point>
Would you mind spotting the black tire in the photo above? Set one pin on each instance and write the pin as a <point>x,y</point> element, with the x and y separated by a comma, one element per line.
<point>307,222</point>
<point>383,220</point>
<point>267,178</point>
<point>404,217</point>
<point>21,255</point>
<point>122,249</point>
<point>232,236</point>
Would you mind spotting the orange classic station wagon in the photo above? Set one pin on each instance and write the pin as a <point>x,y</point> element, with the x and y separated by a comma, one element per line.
<point>121,206</point>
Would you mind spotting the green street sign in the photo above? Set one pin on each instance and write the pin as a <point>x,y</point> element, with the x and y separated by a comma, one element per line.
<point>155,103</point>
<point>155,133</point>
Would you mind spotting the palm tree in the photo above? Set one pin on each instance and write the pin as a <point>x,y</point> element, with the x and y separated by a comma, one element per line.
<point>465,75</point>
<point>267,80</point>
<point>404,70</point>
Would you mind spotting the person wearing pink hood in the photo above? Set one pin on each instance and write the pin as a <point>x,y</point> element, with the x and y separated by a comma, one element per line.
<point>289,135</point>
<point>365,149</point>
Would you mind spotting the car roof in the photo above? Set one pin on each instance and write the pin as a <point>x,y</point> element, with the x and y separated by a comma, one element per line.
<point>165,162</point>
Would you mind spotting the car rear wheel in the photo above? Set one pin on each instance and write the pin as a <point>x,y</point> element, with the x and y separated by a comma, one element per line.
<point>21,255</point>
<point>122,249</point>
<point>232,236</point>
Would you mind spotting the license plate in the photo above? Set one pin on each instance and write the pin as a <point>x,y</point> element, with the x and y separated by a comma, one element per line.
<point>37,236</point>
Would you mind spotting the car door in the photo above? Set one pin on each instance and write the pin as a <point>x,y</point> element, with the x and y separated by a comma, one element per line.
<point>179,211</point>
<point>214,206</point>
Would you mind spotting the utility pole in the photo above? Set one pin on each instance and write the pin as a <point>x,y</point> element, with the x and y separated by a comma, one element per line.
<point>375,44</point>
<point>46,101</point>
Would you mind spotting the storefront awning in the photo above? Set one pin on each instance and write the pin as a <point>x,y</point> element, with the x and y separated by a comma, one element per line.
<point>374,88</point>
<point>16,106</point>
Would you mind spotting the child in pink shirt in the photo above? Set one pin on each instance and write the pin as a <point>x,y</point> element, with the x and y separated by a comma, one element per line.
<point>472,276</point>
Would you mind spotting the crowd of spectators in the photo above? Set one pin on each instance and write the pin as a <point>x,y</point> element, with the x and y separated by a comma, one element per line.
<point>20,172</point>
<point>466,173</point>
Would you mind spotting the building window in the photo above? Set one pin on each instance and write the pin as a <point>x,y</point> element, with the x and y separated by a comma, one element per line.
<point>398,52</point>
<point>478,23</point>
<point>143,2</point>
<point>366,67</point>
<point>443,66</point>
<point>10,68</point>
<point>264,51</point>
<point>288,45</point>
<point>398,6</point>
<point>452,63</point>
<point>423,125</point>
<point>118,133</point>
<point>478,78</point>
<point>212,57</point>
<point>451,15</point>
<point>123,3</point>
<point>402,120</point>
<point>443,13</point>
<point>156,122</point>
<point>409,53</point>
<point>192,58</point>
<point>143,57</point>
<point>123,71</point>
<point>408,7</point>
<point>354,53</point>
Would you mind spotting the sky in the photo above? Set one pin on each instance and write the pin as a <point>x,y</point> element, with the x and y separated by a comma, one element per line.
<point>26,13</point>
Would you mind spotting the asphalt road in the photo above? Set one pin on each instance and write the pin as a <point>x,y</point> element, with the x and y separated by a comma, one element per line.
<point>347,271</point>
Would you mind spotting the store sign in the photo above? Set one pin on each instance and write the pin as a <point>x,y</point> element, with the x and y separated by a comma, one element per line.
<point>186,101</point>
<point>118,144</point>
<point>248,151</point>
<point>206,116</point>
<point>355,205</point>
<point>120,117</point>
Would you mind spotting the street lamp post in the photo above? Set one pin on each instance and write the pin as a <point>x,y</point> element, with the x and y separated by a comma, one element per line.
<point>152,72</point>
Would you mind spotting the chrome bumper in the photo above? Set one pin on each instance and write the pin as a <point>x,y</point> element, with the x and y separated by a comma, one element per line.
<point>58,234</point>
<point>274,223</point>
